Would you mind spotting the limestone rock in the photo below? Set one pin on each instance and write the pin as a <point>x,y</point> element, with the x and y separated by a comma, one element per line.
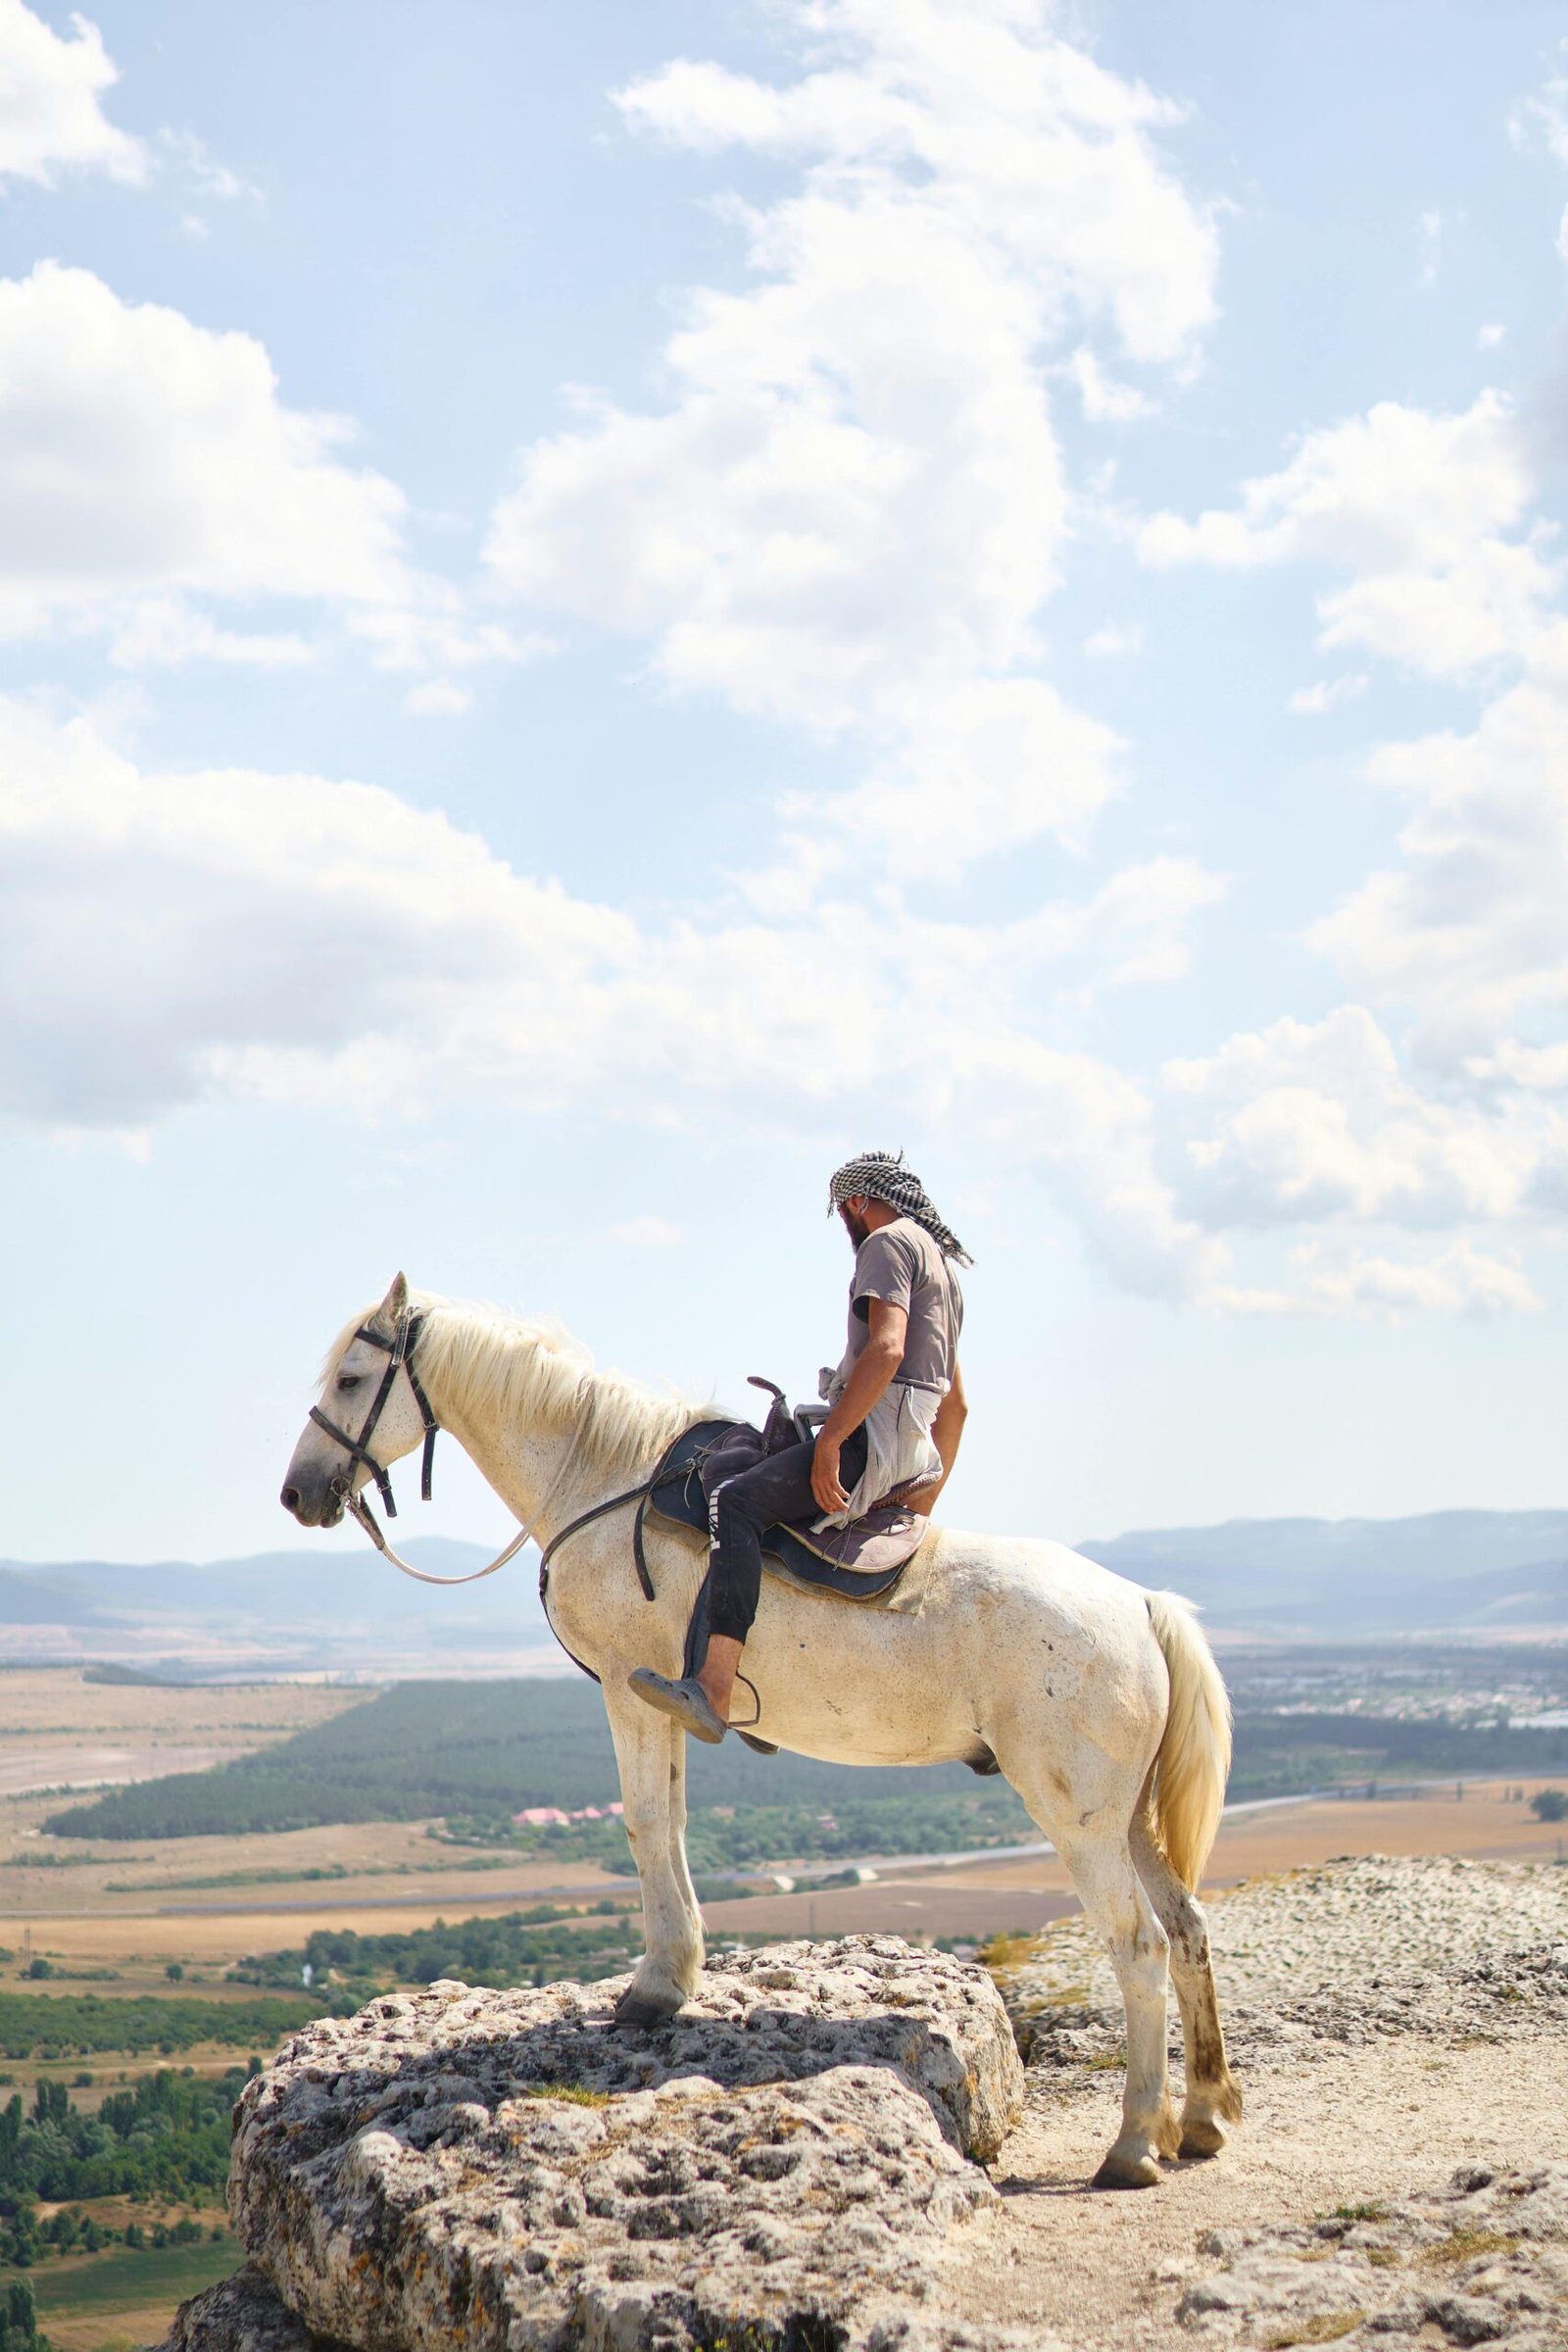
<point>1485,2260</point>
<point>243,2314</point>
<point>464,2168</point>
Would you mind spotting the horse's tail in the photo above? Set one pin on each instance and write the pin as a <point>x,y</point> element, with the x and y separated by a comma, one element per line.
<point>1195,1753</point>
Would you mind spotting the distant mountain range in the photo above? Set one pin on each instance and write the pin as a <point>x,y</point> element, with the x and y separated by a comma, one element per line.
<point>1459,1571</point>
<point>287,1610</point>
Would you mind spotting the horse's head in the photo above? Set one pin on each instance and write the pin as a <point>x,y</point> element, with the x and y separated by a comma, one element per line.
<point>368,1398</point>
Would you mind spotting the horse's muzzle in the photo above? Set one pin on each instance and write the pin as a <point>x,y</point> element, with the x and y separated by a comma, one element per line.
<point>320,1507</point>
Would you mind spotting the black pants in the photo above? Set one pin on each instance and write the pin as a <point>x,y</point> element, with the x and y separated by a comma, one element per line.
<point>775,1491</point>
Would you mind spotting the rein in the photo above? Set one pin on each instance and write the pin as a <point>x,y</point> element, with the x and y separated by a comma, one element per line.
<point>399,1352</point>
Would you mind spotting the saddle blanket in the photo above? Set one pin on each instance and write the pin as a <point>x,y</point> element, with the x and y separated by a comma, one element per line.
<point>863,1561</point>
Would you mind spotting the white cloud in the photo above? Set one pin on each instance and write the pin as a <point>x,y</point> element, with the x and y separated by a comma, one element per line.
<point>139,452</point>
<point>851,511</point>
<point>167,939</point>
<point>1367,1287</point>
<point>1135,930</point>
<point>1113,640</point>
<point>438,698</point>
<point>1328,694</point>
<point>1307,1123</point>
<point>149,467</point>
<point>1418,509</point>
<point>159,931</point>
<point>646,1233</point>
<point>432,629</point>
<point>1543,116</point>
<point>1106,401</point>
<point>1458,1281</point>
<point>1537,1069</point>
<point>1464,944</point>
<point>51,89</point>
<point>1429,240</point>
<point>202,171</point>
<point>980,763</point>
<point>160,631</point>
<point>1491,336</point>
<point>1469,933</point>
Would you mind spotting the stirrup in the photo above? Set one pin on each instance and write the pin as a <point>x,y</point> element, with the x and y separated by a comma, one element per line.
<point>687,1702</point>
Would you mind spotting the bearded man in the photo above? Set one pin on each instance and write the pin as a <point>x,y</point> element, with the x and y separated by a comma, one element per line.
<point>896,1415</point>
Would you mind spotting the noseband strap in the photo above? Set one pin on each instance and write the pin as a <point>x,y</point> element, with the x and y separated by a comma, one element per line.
<point>399,1351</point>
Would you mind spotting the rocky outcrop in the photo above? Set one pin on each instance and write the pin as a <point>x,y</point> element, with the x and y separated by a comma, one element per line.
<point>781,2166</point>
<point>1355,1950</point>
<point>1483,2262</point>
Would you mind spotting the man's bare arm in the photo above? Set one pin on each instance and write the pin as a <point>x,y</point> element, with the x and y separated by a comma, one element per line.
<point>946,1435</point>
<point>864,1390</point>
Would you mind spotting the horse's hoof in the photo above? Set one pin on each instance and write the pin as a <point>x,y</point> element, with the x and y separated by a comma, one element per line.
<point>642,2010</point>
<point>1203,2136</point>
<point>1128,2172</point>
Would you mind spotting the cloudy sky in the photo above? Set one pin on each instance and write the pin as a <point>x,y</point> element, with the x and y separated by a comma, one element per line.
<point>599,605</point>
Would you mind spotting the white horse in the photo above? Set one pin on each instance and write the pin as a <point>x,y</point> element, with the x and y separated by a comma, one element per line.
<point>1100,1701</point>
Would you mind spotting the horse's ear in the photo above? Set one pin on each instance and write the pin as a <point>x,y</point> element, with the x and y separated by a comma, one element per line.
<point>395,1305</point>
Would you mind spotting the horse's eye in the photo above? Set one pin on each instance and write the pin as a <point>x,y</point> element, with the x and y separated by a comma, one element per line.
<point>349,1380</point>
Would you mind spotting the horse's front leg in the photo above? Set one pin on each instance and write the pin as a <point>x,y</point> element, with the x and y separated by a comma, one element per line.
<point>651,1752</point>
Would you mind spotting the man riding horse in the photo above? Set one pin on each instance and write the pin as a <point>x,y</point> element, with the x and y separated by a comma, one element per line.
<point>896,1415</point>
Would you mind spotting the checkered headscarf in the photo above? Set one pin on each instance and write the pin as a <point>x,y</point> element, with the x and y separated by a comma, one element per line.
<point>883,1176</point>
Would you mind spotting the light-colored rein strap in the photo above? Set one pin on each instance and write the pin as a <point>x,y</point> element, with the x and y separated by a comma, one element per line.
<point>421,1576</point>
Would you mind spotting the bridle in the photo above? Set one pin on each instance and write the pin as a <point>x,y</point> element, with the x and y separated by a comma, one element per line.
<point>399,1352</point>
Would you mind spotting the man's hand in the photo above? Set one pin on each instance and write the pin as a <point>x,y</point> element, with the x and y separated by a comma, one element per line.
<point>830,1496</point>
<point>865,1389</point>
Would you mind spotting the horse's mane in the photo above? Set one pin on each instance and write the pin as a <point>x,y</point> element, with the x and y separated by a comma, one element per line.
<point>531,1369</point>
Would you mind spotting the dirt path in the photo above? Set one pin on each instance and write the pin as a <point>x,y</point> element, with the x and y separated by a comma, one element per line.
<point>1368,2083</point>
<point>1358,2126</point>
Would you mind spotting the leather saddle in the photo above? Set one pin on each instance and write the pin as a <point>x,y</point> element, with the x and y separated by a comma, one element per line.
<point>885,1540</point>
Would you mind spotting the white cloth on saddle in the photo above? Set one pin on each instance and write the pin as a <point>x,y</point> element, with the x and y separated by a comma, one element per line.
<point>900,1449</point>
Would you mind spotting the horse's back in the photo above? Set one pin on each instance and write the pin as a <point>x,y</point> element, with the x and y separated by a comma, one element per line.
<point>1032,1572</point>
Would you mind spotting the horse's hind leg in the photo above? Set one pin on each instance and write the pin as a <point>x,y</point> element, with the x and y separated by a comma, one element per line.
<point>1213,2095</point>
<point>1115,1902</point>
<point>653,1787</point>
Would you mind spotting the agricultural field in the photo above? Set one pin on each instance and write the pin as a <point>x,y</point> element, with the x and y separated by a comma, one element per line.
<point>116,2301</point>
<point>295,1845</point>
<point>112,2200</point>
<point>74,1728</point>
<point>418,1752</point>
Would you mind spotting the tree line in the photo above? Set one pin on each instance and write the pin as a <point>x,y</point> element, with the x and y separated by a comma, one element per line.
<point>521,1948</point>
<point>168,2135</point>
<point>75,2024</point>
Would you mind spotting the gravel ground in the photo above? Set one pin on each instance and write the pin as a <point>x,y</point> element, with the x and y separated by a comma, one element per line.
<point>1401,2028</point>
<point>1344,1926</point>
<point>1484,2261</point>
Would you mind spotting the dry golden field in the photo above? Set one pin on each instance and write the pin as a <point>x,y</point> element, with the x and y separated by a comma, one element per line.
<point>134,1907</point>
<point>974,1899</point>
<point>111,1918</point>
<point>59,1730</point>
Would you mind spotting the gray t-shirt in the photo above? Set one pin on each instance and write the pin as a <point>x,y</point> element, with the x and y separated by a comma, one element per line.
<point>901,1264</point>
